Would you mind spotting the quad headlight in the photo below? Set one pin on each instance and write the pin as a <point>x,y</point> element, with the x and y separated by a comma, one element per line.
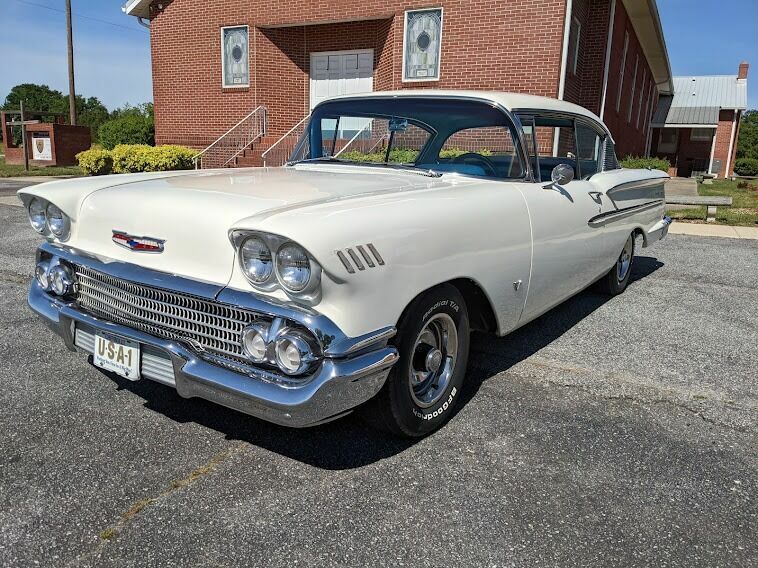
<point>57,221</point>
<point>256,260</point>
<point>38,215</point>
<point>293,267</point>
<point>271,261</point>
<point>48,219</point>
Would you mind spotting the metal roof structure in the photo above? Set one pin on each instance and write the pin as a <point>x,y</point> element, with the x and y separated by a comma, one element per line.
<point>698,100</point>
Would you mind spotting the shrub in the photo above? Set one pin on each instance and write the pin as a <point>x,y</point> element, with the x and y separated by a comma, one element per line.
<point>134,158</point>
<point>130,158</point>
<point>169,158</point>
<point>127,129</point>
<point>95,162</point>
<point>641,162</point>
<point>746,167</point>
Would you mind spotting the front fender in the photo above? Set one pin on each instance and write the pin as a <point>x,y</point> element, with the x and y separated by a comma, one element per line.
<point>478,231</point>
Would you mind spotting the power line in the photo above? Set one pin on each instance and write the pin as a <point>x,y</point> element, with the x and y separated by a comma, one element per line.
<point>80,16</point>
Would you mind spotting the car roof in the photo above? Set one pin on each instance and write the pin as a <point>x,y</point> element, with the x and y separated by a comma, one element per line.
<point>509,101</point>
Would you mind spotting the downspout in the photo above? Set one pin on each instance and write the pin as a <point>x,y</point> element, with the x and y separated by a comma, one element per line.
<point>142,22</point>
<point>564,63</point>
<point>611,21</point>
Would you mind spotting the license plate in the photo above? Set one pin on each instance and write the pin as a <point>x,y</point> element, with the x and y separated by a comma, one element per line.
<point>118,355</point>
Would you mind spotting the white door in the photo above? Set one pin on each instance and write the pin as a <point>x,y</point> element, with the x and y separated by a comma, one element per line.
<point>341,73</point>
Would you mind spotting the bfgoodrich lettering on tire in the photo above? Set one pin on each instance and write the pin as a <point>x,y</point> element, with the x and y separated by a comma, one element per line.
<point>425,384</point>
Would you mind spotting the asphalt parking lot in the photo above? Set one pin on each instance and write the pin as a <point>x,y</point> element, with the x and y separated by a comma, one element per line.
<point>615,432</point>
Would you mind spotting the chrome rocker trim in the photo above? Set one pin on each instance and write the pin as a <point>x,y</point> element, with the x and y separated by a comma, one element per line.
<point>351,372</point>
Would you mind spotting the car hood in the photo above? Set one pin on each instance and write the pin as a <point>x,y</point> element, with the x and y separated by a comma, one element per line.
<point>194,212</point>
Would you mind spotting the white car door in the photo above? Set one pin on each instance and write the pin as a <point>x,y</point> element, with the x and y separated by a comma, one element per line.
<point>568,253</point>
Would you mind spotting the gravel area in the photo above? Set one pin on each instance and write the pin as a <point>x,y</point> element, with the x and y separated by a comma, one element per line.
<point>609,432</point>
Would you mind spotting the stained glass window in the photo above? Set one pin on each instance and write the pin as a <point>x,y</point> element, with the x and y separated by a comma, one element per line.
<point>423,39</point>
<point>234,57</point>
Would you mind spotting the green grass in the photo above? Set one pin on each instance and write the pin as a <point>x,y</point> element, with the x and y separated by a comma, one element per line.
<point>19,171</point>
<point>744,209</point>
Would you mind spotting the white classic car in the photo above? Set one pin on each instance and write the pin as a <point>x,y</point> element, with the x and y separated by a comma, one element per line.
<point>355,273</point>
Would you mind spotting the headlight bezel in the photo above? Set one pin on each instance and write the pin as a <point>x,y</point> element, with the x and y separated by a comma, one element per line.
<point>310,293</point>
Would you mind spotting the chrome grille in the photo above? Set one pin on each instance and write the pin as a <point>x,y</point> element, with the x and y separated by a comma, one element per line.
<point>203,324</point>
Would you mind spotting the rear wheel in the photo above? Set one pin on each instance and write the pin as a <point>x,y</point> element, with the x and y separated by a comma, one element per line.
<point>425,383</point>
<point>617,278</point>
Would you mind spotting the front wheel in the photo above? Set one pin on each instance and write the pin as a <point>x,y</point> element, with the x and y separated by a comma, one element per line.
<point>425,383</point>
<point>617,278</point>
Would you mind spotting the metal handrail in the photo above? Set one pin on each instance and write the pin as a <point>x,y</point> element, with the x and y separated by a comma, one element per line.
<point>289,132</point>
<point>260,112</point>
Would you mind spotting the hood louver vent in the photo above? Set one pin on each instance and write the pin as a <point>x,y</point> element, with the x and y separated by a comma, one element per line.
<point>359,257</point>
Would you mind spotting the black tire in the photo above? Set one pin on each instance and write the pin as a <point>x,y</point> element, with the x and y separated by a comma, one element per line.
<point>617,279</point>
<point>396,408</point>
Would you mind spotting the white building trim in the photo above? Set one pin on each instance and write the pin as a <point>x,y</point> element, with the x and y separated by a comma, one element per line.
<point>609,41</point>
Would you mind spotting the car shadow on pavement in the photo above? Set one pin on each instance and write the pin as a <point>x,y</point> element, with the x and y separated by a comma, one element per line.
<point>349,442</point>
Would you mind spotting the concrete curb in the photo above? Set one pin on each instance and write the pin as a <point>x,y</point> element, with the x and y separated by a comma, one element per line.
<point>702,230</point>
<point>36,179</point>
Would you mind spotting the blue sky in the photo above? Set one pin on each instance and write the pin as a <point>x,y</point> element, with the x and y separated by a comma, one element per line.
<point>113,62</point>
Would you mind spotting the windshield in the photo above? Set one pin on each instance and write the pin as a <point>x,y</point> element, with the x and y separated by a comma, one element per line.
<point>438,134</point>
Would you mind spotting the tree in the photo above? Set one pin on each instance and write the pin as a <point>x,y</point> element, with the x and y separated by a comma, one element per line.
<point>40,98</point>
<point>91,112</point>
<point>747,144</point>
<point>127,129</point>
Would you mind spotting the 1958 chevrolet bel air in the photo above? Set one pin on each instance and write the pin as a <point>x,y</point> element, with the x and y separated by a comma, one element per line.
<point>353,275</point>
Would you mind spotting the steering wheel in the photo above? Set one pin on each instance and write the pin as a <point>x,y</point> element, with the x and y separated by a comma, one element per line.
<point>484,161</point>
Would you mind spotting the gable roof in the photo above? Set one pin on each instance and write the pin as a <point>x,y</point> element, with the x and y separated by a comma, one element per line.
<point>698,100</point>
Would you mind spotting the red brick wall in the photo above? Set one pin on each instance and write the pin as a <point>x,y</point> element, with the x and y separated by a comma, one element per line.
<point>630,138</point>
<point>723,136</point>
<point>485,45</point>
<point>66,142</point>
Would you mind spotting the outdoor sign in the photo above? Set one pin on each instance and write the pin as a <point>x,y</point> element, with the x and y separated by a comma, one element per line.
<point>42,149</point>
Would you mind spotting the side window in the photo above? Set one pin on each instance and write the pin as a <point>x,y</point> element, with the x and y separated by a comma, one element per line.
<point>550,141</point>
<point>488,151</point>
<point>588,143</point>
<point>609,156</point>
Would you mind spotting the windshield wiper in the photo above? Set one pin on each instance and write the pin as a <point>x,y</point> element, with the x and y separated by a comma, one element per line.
<point>406,167</point>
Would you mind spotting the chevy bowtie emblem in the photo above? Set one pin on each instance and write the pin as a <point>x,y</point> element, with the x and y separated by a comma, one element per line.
<point>138,244</point>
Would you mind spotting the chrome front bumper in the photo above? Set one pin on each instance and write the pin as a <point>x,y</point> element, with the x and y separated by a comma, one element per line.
<point>352,370</point>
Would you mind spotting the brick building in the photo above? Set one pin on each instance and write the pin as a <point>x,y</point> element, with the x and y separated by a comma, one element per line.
<point>215,61</point>
<point>696,128</point>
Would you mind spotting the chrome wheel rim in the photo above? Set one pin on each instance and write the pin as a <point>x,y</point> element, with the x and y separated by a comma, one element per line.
<point>625,259</point>
<point>433,358</point>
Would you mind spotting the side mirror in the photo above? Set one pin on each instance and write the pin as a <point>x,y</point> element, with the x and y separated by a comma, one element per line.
<point>562,174</point>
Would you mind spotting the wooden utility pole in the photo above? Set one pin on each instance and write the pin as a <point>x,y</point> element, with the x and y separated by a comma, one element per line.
<point>71,88</point>
<point>23,136</point>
